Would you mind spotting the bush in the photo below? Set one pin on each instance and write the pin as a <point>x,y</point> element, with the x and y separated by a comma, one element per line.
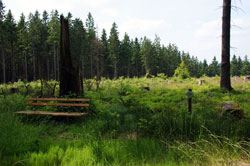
<point>182,71</point>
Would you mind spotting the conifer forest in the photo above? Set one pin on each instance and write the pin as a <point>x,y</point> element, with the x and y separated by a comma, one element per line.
<point>72,94</point>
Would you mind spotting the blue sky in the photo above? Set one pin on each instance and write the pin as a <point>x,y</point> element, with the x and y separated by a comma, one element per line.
<point>193,25</point>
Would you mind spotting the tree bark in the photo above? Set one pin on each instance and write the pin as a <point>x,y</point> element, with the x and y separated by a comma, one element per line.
<point>115,70</point>
<point>70,80</point>
<point>26,66</point>
<point>13,72</point>
<point>48,72</point>
<point>55,61</point>
<point>34,67</point>
<point>82,71</point>
<point>225,50</point>
<point>91,65</point>
<point>58,64</point>
<point>3,64</point>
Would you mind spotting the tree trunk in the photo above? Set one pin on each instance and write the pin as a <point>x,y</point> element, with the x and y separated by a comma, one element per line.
<point>3,64</point>
<point>13,72</point>
<point>39,70</point>
<point>34,67</point>
<point>55,61</point>
<point>225,50</point>
<point>115,70</point>
<point>48,69</point>
<point>70,80</point>
<point>25,66</point>
<point>82,71</point>
<point>91,65</point>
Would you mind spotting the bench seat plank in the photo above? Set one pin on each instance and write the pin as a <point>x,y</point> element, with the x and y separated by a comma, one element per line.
<point>58,104</point>
<point>56,99</point>
<point>66,114</point>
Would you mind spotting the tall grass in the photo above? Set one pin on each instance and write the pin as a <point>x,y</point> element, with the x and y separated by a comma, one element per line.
<point>217,151</point>
<point>129,125</point>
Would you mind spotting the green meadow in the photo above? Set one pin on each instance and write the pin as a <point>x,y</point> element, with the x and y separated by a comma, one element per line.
<point>128,125</point>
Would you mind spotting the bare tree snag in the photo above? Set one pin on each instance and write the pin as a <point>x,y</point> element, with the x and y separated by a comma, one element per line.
<point>70,79</point>
<point>225,81</point>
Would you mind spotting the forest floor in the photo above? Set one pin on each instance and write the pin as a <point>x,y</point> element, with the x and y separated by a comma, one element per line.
<point>129,125</point>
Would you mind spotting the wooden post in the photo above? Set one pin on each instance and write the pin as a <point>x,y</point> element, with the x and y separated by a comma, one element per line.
<point>189,95</point>
<point>190,105</point>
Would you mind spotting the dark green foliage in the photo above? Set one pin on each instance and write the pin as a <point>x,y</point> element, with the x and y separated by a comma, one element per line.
<point>214,68</point>
<point>30,51</point>
<point>114,49</point>
<point>245,70</point>
<point>234,67</point>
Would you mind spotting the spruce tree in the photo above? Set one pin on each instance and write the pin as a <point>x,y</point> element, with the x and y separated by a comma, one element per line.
<point>245,70</point>
<point>114,49</point>
<point>234,67</point>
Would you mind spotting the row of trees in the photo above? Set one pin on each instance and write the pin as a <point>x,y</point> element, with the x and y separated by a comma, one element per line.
<point>30,51</point>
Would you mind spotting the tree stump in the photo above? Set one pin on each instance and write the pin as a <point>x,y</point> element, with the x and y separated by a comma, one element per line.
<point>70,79</point>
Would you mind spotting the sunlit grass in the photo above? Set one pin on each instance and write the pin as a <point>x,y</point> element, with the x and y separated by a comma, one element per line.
<point>128,125</point>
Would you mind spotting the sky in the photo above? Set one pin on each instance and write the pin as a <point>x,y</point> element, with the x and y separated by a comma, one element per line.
<point>193,25</point>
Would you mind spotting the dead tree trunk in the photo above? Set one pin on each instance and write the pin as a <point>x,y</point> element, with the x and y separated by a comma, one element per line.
<point>225,50</point>
<point>70,80</point>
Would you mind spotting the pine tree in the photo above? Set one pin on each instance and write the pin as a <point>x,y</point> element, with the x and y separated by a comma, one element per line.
<point>11,36</point>
<point>147,55</point>
<point>53,41</point>
<point>182,71</point>
<point>204,69</point>
<point>36,42</point>
<point>136,60</point>
<point>2,34</point>
<point>245,70</point>
<point>114,49</point>
<point>125,56</point>
<point>91,37</point>
<point>23,45</point>
<point>107,65</point>
<point>1,10</point>
<point>214,68</point>
<point>239,65</point>
<point>234,67</point>
<point>78,42</point>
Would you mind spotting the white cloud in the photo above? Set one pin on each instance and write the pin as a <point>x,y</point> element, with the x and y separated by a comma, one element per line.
<point>241,22</point>
<point>213,28</point>
<point>209,29</point>
<point>136,24</point>
<point>240,26</point>
<point>95,3</point>
<point>109,12</point>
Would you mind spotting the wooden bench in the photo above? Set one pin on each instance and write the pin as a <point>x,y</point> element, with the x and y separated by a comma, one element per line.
<point>64,102</point>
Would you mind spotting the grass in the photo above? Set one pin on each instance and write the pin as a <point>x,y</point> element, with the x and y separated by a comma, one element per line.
<point>129,125</point>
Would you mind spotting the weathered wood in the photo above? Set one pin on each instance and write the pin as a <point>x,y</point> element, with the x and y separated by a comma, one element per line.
<point>65,114</point>
<point>41,103</point>
<point>225,81</point>
<point>57,104</point>
<point>70,79</point>
<point>56,99</point>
